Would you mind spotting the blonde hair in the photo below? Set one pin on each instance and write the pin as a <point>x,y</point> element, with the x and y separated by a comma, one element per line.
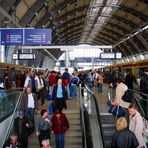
<point>121,124</point>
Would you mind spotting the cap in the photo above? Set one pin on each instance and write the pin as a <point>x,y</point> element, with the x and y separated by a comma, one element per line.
<point>20,113</point>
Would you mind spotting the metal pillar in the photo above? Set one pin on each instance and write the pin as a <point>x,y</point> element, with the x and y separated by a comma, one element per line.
<point>2,53</point>
<point>67,57</point>
<point>17,61</point>
<point>93,63</point>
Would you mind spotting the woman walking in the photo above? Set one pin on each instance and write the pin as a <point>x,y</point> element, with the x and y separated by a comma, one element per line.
<point>60,125</point>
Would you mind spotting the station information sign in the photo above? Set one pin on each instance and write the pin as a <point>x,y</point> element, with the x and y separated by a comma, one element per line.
<point>11,37</point>
<point>107,55</point>
<point>25,36</point>
<point>37,36</point>
<point>26,56</point>
<point>118,55</point>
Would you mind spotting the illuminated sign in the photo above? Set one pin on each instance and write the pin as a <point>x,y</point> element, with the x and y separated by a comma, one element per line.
<point>26,56</point>
<point>118,55</point>
<point>107,55</point>
<point>15,56</point>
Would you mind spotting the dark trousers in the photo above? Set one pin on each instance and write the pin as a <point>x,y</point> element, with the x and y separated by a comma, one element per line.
<point>24,141</point>
<point>44,135</point>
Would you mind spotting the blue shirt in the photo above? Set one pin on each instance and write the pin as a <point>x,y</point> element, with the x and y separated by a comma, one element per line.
<point>59,92</point>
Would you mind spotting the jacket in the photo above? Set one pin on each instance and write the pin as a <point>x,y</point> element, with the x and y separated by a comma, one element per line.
<point>120,90</point>
<point>124,139</point>
<point>60,125</point>
<point>25,101</point>
<point>24,129</point>
<point>52,79</point>
<point>28,83</point>
<point>8,144</point>
<point>136,126</point>
<point>54,93</point>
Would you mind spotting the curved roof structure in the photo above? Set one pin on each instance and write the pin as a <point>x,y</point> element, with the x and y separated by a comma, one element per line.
<point>121,23</point>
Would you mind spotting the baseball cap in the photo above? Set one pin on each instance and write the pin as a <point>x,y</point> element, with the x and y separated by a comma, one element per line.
<point>20,113</point>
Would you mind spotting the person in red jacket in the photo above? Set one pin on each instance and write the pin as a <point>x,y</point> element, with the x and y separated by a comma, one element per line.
<point>60,125</point>
<point>52,81</point>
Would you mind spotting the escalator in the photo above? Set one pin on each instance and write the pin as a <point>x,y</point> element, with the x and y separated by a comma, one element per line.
<point>9,104</point>
<point>108,127</point>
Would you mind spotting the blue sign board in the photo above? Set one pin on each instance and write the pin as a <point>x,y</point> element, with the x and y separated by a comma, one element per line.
<point>11,37</point>
<point>37,36</point>
<point>83,60</point>
<point>25,36</point>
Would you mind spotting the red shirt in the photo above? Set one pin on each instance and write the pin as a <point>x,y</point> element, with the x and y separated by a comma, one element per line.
<point>60,124</point>
<point>52,79</point>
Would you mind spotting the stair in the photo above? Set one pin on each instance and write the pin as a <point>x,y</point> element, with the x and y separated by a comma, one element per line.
<point>109,126</point>
<point>73,138</point>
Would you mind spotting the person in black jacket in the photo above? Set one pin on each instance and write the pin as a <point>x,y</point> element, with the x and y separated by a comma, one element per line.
<point>21,126</point>
<point>123,138</point>
<point>59,95</point>
<point>13,142</point>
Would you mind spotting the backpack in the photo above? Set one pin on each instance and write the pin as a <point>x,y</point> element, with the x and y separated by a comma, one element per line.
<point>66,82</point>
<point>127,97</point>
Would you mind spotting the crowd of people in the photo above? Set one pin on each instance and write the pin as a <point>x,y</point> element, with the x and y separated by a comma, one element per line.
<point>37,86</point>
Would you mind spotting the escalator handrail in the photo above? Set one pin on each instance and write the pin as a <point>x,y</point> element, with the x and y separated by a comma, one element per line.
<point>12,118</point>
<point>82,117</point>
<point>98,114</point>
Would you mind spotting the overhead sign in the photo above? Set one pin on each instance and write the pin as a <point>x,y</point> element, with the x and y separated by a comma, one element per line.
<point>11,37</point>
<point>37,36</point>
<point>83,60</point>
<point>107,55</point>
<point>15,56</point>
<point>118,55</point>
<point>25,36</point>
<point>26,56</point>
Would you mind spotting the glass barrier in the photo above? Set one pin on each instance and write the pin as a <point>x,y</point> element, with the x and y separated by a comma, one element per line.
<point>8,103</point>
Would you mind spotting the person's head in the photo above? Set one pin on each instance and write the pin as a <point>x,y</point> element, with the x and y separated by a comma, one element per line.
<point>46,144</point>
<point>132,109</point>
<point>57,110</point>
<point>120,80</point>
<point>59,81</point>
<point>13,138</point>
<point>20,114</point>
<point>31,72</point>
<point>44,113</point>
<point>66,69</point>
<point>121,124</point>
<point>28,90</point>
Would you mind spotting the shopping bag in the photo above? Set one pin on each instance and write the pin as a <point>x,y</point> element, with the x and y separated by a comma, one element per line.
<point>51,108</point>
<point>116,111</point>
<point>49,97</point>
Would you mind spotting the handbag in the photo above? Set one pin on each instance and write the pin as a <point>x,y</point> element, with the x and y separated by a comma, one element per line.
<point>49,97</point>
<point>127,97</point>
<point>51,108</point>
<point>116,111</point>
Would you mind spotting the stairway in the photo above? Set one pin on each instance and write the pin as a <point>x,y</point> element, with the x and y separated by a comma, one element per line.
<point>109,126</point>
<point>73,138</point>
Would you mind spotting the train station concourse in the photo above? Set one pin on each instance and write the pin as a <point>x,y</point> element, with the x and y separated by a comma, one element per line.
<point>73,73</point>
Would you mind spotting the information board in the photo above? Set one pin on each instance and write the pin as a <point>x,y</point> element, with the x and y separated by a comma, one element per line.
<point>26,56</point>
<point>37,36</point>
<point>107,55</point>
<point>11,37</point>
<point>118,55</point>
<point>25,36</point>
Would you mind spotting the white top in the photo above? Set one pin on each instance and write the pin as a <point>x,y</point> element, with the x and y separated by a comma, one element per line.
<point>30,101</point>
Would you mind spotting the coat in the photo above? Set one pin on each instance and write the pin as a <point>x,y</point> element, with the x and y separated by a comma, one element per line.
<point>120,90</point>
<point>24,130</point>
<point>60,125</point>
<point>25,101</point>
<point>136,125</point>
<point>54,97</point>
<point>124,139</point>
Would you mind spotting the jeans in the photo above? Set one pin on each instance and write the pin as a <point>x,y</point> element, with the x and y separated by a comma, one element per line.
<point>29,113</point>
<point>73,90</point>
<point>59,139</point>
<point>100,87</point>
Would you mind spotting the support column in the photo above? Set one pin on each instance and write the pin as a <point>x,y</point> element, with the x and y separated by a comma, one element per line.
<point>2,53</point>
<point>17,61</point>
<point>67,57</point>
<point>93,63</point>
